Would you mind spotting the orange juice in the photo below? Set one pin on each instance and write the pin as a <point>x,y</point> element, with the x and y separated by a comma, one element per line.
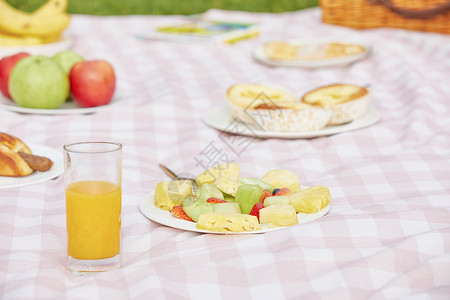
<point>93,211</point>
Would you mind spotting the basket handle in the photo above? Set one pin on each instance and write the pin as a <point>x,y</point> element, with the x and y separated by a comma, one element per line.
<point>416,14</point>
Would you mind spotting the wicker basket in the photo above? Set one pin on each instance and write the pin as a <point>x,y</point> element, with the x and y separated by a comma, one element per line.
<point>421,15</point>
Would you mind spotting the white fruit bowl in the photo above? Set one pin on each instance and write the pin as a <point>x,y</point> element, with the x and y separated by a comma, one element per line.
<point>45,49</point>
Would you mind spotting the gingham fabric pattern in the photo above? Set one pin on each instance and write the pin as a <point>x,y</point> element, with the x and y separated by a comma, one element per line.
<point>386,236</point>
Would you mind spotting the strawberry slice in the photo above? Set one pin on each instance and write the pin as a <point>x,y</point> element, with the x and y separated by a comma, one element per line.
<point>178,212</point>
<point>215,200</point>
<point>255,210</point>
<point>265,194</point>
<point>283,192</point>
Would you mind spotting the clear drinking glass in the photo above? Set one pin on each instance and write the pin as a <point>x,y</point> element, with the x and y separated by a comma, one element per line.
<point>93,186</point>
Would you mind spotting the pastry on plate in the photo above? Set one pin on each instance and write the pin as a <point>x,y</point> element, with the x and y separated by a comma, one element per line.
<point>17,160</point>
<point>269,108</point>
<point>292,51</point>
<point>346,101</point>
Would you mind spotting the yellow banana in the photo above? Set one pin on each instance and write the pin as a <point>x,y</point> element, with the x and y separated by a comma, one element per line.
<point>51,38</point>
<point>15,21</point>
<point>17,40</point>
<point>51,8</point>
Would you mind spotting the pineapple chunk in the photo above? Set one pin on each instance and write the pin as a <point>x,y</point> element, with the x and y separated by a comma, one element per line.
<point>279,215</point>
<point>230,170</point>
<point>171,193</point>
<point>221,221</point>
<point>311,200</point>
<point>276,200</point>
<point>280,178</point>
<point>227,185</point>
<point>231,207</point>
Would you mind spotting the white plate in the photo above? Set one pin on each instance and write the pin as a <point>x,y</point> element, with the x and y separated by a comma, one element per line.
<point>220,118</point>
<point>36,177</point>
<point>46,49</point>
<point>260,56</point>
<point>148,209</point>
<point>68,107</point>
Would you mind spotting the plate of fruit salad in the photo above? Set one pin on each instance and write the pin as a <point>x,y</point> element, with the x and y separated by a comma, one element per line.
<point>223,202</point>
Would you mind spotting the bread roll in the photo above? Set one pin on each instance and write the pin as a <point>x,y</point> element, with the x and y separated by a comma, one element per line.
<point>37,163</point>
<point>11,163</point>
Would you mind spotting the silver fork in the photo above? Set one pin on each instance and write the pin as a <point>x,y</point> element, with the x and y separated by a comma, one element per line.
<point>174,176</point>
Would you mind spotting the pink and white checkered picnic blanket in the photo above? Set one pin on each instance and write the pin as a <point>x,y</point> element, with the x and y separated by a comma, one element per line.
<point>386,236</point>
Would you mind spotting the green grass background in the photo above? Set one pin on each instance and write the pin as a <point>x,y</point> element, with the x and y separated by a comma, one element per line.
<point>168,7</point>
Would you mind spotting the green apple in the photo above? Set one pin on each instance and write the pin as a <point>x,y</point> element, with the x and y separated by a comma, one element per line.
<point>38,82</point>
<point>66,59</point>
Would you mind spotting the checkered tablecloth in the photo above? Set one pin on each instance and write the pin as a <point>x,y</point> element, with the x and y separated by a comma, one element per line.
<point>386,236</point>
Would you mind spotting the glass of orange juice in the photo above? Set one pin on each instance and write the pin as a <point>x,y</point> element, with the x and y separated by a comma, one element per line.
<point>93,185</point>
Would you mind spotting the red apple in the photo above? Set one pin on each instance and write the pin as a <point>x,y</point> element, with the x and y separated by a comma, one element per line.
<point>7,64</point>
<point>92,82</point>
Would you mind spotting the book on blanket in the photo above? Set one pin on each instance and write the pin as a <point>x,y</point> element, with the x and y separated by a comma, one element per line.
<point>198,29</point>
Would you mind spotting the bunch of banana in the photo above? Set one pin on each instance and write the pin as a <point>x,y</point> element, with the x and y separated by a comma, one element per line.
<point>45,25</point>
